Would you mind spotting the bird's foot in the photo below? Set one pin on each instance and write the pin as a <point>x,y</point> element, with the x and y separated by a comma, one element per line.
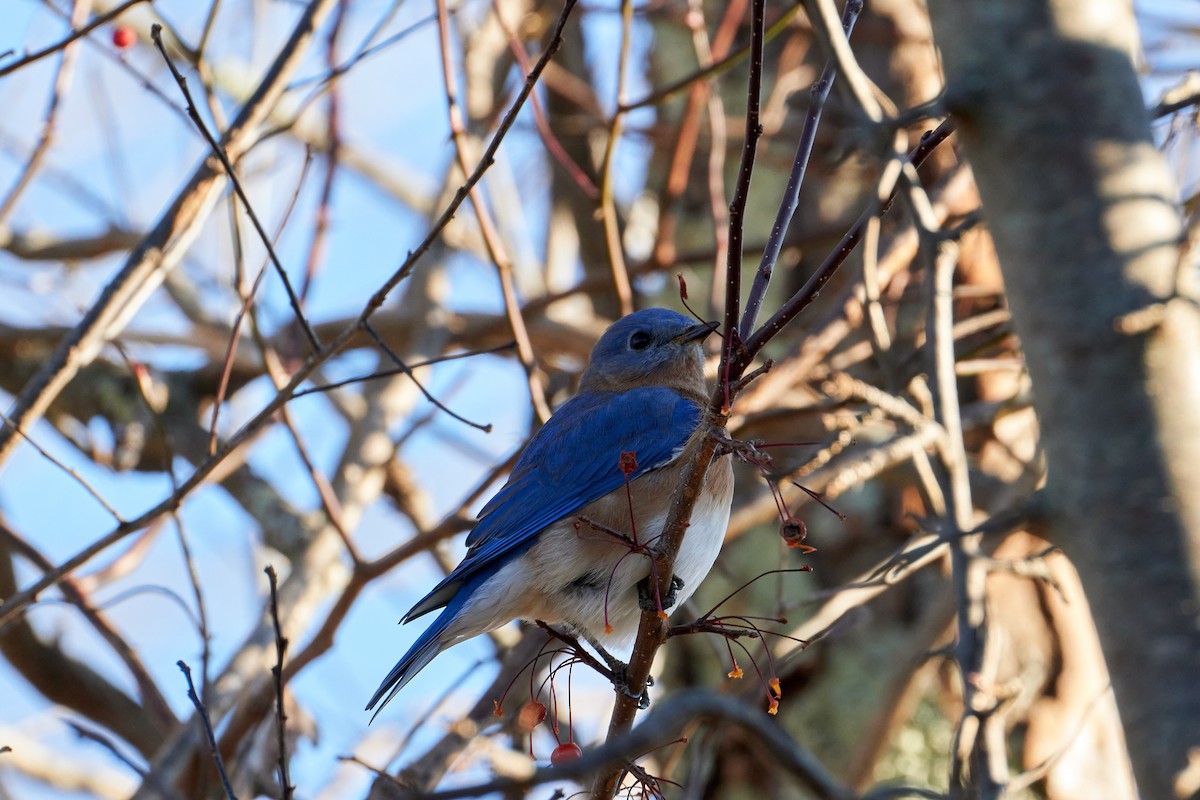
<point>648,602</point>
<point>620,681</point>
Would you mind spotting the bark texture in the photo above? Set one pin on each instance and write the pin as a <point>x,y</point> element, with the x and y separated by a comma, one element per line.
<point>1085,223</point>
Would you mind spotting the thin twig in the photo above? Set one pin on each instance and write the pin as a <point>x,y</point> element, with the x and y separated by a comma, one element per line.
<point>102,740</point>
<point>545,132</point>
<point>741,193</point>
<point>387,373</point>
<point>281,644</point>
<point>208,730</point>
<point>407,370</point>
<point>201,617</point>
<point>111,746</point>
<point>579,651</point>
<point>329,501</point>
<point>366,49</point>
<point>608,210</point>
<point>333,139</point>
<point>209,22</point>
<point>247,301</point>
<point>231,173</point>
<point>87,487</point>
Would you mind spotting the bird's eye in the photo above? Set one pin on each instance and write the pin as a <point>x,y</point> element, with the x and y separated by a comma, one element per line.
<point>640,340</point>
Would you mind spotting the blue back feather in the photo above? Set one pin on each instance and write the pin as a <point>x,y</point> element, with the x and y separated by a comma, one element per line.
<point>572,461</point>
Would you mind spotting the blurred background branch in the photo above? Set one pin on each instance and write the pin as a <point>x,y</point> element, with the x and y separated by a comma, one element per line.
<point>999,603</point>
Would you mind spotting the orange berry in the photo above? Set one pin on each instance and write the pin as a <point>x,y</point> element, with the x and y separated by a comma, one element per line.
<point>531,715</point>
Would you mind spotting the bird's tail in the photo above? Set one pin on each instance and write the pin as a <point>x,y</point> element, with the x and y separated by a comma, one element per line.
<point>428,645</point>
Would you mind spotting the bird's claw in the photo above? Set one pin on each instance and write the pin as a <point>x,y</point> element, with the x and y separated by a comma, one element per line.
<point>648,602</point>
<point>620,681</point>
<point>643,699</point>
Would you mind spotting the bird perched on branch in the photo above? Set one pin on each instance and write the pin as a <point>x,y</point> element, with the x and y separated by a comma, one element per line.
<point>565,540</point>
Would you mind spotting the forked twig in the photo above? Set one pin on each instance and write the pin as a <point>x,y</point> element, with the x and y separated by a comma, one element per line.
<point>791,197</point>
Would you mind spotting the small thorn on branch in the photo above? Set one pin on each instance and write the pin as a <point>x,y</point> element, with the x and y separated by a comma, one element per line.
<point>750,377</point>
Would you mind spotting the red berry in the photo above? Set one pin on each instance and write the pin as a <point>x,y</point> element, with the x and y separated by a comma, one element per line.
<point>565,753</point>
<point>123,37</point>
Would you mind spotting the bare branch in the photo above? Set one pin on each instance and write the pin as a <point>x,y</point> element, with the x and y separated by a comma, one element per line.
<point>162,248</point>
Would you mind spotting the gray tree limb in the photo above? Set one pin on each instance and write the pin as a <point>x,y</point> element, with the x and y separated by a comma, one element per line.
<point>1086,226</point>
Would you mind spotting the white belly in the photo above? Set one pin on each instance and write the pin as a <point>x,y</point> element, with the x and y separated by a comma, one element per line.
<point>701,544</point>
<point>587,580</point>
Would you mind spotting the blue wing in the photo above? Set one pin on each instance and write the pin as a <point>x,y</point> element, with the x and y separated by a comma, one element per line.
<point>571,461</point>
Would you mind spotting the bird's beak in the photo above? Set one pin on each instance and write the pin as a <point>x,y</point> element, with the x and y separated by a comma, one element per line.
<point>696,333</point>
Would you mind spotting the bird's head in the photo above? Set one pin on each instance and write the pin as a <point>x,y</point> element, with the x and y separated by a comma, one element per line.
<point>653,347</point>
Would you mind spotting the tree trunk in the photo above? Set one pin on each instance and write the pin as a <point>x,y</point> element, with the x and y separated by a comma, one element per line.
<point>1084,218</point>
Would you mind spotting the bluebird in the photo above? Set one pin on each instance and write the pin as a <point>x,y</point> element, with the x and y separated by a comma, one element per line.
<point>554,544</point>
